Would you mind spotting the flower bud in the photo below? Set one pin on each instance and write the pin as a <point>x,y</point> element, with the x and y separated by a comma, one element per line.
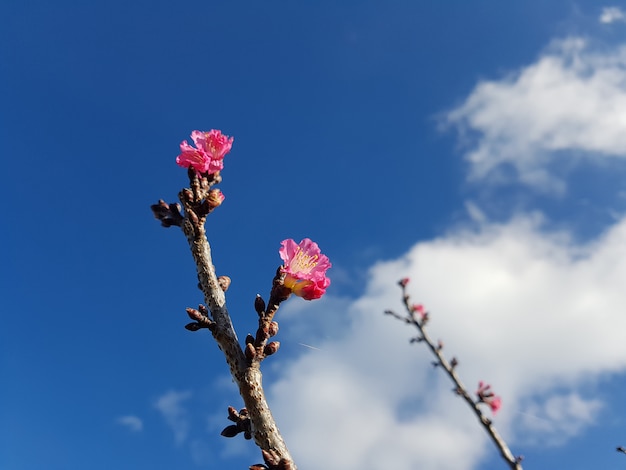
<point>193,217</point>
<point>187,194</point>
<point>271,348</point>
<point>194,326</point>
<point>194,314</point>
<point>250,352</point>
<point>224,282</point>
<point>259,304</point>
<point>272,329</point>
<point>215,198</point>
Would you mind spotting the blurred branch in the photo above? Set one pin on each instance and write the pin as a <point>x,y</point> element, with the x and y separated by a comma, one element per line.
<point>417,317</point>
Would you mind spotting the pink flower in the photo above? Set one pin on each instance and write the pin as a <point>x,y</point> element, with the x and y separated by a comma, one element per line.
<point>495,403</point>
<point>419,309</point>
<point>208,154</point>
<point>305,268</point>
<point>485,395</point>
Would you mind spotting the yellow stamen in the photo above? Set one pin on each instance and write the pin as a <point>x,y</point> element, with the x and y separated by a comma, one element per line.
<point>302,262</point>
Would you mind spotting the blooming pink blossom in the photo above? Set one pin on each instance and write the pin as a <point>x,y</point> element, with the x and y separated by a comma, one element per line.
<point>305,268</point>
<point>485,395</point>
<point>208,154</point>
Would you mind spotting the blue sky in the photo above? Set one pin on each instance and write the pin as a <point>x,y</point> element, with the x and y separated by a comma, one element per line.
<point>477,147</point>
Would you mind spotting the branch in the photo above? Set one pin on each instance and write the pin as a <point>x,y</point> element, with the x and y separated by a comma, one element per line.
<point>198,201</point>
<point>417,317</point>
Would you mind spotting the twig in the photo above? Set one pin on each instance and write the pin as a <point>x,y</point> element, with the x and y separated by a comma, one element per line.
<point>449,367</point>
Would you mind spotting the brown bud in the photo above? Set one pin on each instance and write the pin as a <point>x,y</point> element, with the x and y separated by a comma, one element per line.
<point>271,457</point>
<point>250,352</point>
<point>271,348</point>
<point>249,339</point>
<point>230,431</point>
<point>285,464</point>
<point>191,173</point>
<point>192,217</point>
<point>232,414</point>
<point>193,313</point>
<point>193,326</point>
<point>224,282</point>
<point>187,194</point>
<point>272,329</point>
<point>214,198</point>
<point>259,304</point>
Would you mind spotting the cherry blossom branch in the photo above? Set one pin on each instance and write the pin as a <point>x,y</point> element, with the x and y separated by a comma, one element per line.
<point>255,420</point>
<point>418,317</point>
<point>245,372</point>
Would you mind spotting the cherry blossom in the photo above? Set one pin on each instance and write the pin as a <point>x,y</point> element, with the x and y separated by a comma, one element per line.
<point>485,395</point>
<point>305,268</point>
<point>208,154</point>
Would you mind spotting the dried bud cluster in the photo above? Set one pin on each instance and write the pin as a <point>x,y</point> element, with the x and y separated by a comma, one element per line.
<point>167,214</point>
<point>242,423</point>
<point>201,317</point>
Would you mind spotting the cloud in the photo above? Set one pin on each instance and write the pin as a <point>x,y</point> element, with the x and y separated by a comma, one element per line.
<point>131,422</point>
<point>170,406</point>
<point>611,15</point>
<point>565,417</point>
<point>534,313</point>
<point>568,106</point>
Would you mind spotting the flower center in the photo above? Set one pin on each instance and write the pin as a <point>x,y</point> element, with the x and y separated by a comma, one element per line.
<point>303,263</point>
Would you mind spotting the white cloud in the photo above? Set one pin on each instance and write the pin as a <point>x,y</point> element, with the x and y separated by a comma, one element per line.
<point>611,15</point>
<point>170,406</point>
<point>535,314</point>
<point>559,418</point>
<point>132,422</point>
<point>569,104</point>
